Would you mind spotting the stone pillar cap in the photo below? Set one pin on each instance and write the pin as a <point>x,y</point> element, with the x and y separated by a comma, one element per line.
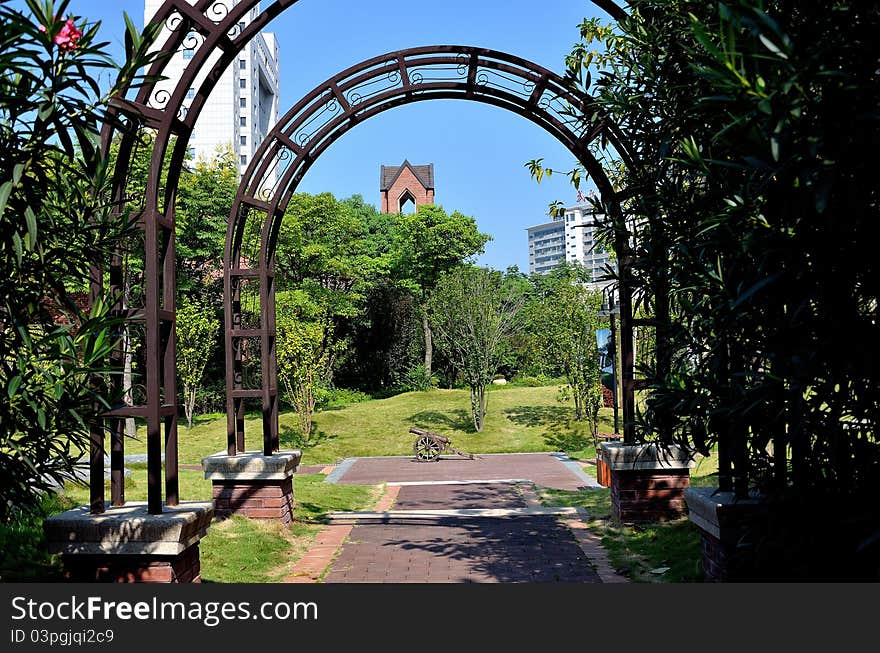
<point>620,456</point>
<point>129,529</point>
<point>251,466</point>
<point>715,511</point>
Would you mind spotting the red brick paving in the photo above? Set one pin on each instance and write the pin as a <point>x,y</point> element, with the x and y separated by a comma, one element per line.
<point>522,549</point>
<point>511,550</point>
<point>541,468</point>
<point>440,497</point>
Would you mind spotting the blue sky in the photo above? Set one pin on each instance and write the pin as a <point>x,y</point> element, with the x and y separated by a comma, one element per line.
<point>478,151</point>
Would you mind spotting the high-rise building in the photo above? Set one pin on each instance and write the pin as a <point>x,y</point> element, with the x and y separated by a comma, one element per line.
<point>570,239</point>
<point>244,105</point>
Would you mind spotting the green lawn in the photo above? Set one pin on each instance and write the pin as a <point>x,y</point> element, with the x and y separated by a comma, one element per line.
<point>519,420</point>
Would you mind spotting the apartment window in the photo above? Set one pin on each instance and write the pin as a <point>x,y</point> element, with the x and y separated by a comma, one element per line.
<point>190,94</point>
<point>244,159</point>
<point>243,140</point>
<point>243,103</point>
<point>242,83</point>
<point>242,121</point>
<point>242,64</point>
<point>188,53</point>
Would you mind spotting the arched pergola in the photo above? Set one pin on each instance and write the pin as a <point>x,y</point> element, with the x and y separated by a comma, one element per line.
<point>213,33</point>
<point>323,116</point>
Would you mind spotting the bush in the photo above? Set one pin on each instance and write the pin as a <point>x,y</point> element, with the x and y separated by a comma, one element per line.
<point>57,224</point>
<point>23,554</point>
<point>339,397</point>
<point>536,381</point>
<point>415,380</point>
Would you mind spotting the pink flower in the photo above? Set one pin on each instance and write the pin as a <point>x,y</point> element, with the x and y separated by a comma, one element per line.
<point>42,28</point>
<point>67,38</point>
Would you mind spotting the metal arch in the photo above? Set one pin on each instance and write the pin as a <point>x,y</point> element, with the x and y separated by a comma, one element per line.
<point>212,29</point>
<point>331,110</point>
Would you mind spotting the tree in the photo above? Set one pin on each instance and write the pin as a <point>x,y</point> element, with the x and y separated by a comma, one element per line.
<point>751,123</point>
<point>56,226</point>
<point>567,318</point>
<point>306,352</point>
<point>197,329</point>
<point>473,312</point>
<point>204,201</point>
<point>430,243</point>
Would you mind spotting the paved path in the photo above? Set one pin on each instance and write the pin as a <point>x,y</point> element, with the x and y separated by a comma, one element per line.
<point>545,469</point>
<point>512,550</point>
<point>395,546</point>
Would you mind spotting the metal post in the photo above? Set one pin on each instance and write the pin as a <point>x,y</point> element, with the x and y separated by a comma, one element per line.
<point>612,351</point>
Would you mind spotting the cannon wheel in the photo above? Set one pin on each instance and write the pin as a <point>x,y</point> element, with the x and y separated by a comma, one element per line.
<point>427,449</point>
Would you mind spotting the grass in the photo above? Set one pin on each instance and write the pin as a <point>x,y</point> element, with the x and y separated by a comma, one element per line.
<point>23,553</point>
<point>520,419</point>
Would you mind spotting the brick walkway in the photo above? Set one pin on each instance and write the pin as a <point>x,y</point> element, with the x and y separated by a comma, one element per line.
<point>543,469</point>
<point>512,550</point>
<point>461,549</point>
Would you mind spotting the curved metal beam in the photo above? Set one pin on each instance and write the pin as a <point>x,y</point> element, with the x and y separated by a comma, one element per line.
<point>331,110</point>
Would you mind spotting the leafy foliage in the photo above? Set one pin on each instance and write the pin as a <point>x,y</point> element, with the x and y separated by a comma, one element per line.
<point>473,312</point>
<point>204,201</point>
<point>751,123</point>
<point>306,352</point>
<point>566,319</point>
<point>197,329</point>
<point>428,244</point>
<point>55,227</point>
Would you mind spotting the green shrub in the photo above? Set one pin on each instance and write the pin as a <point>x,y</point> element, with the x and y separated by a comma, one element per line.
<point>415,380</point>
<point>339,397</point>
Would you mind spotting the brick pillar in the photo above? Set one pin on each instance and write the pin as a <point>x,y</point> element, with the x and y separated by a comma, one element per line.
<point>253,485</point>
<point>647,496</point>
<point>183,568</point>
<point>721,518</point>
<point>126,544</point>
<point>270,499</point>
<point>647,482</point>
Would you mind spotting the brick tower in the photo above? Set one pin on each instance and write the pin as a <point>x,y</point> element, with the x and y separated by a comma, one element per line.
<point>406,183</point>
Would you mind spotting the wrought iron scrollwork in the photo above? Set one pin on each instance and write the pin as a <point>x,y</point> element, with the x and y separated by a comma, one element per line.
<point>283,158</point>
<point>375,85</point>
<point>217,12</point>
<point>192,41</point>
<point>312,122</point>
<point>521,85</point>
<point>173,22</point>
<point>160,98</point>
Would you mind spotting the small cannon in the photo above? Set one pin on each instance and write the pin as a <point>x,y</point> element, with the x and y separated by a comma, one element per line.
<point>428,446</point>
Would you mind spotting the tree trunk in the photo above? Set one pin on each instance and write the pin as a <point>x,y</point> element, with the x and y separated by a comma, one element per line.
<point>578,403</point>
<point>429,344</point>
<point>478,406</point>
<point>189,405</point>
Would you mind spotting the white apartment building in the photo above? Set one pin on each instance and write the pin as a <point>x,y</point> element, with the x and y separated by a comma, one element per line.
<point>568,240</point>
<point>244,105</point>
